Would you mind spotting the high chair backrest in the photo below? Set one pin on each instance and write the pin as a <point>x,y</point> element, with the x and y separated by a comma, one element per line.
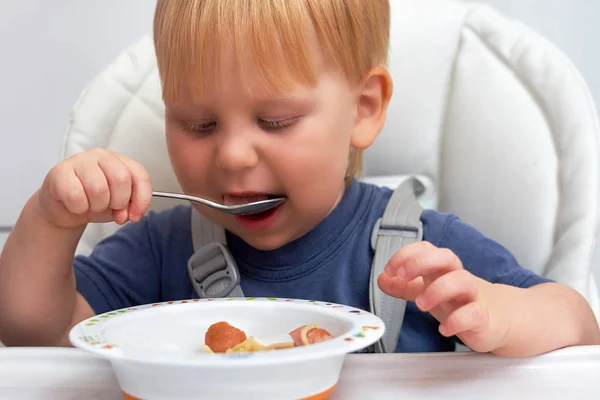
<point>495,117</point>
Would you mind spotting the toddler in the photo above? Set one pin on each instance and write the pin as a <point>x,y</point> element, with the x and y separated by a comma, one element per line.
<point>271,98</point>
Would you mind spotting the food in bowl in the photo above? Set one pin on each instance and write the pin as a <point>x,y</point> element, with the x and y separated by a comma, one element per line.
<point>156,350</point>
<point>309,334</point>
<point>222,337</point>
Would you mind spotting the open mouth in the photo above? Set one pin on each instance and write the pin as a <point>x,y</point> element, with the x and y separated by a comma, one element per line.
<point>234,200</point>
<point>237,200</point>
<point>259,220</point>
<point>261,215</point>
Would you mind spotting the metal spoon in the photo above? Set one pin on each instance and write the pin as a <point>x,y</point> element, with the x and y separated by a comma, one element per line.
<point>241,209</point>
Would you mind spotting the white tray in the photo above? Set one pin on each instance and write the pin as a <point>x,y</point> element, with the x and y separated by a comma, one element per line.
<point>567,374</point>
<point>66,374</point>
<point>47,373</point>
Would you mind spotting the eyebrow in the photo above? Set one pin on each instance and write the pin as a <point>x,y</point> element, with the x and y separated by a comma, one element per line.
<point>275,96</point>
<point>266,101</point>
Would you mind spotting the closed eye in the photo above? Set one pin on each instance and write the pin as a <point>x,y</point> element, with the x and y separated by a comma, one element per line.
<point>277,125</point>
<point>204,127</point>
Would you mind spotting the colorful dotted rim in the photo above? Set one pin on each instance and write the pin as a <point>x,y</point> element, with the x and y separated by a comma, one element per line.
<point>98,342</point>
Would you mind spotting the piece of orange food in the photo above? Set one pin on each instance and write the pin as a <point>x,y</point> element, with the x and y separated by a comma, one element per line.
<point>309,334</point>
<point>222,337</point>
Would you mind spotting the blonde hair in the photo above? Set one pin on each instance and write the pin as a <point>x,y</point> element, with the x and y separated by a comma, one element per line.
<point>189,35</point>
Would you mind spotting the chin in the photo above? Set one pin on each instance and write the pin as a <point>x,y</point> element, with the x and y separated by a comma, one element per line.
<point>265,243</point>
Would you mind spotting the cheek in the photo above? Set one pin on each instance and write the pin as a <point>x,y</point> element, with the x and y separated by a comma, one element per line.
<point>187,159</point>
<point>331,142</point>
<point>315,157</point>
<point>176,148</point>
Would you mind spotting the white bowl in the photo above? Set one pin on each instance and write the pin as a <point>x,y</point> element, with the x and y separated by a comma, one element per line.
<point>156,350</point>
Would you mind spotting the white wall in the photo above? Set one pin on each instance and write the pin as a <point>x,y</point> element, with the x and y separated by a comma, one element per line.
<point>49,49</point>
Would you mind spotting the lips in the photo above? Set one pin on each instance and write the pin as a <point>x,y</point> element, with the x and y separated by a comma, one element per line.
<point>260,221</point>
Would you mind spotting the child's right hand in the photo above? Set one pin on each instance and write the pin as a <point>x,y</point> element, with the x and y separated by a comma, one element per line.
<point>95,186</point>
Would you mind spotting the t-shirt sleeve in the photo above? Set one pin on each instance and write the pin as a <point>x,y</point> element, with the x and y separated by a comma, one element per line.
<point>122,271</point>
<point>484,257</point>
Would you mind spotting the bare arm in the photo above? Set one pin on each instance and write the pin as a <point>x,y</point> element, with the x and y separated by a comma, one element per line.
<point>504,320</point>
<point>38,302</point>
<point>38,299</point>
<point>540,319</point>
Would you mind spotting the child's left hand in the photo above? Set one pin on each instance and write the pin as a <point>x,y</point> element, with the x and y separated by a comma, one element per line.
<point>434,278</point>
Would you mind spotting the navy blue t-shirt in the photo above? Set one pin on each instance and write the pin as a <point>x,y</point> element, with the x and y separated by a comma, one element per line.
<point>147,262</point>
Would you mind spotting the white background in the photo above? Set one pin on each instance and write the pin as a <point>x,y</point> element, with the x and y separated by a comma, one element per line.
<point>49,49</point>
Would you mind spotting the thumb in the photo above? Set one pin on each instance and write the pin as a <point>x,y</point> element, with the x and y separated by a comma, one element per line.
<point>120,216</point>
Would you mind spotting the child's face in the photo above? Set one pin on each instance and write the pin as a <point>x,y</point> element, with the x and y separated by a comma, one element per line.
<point>230,144</point>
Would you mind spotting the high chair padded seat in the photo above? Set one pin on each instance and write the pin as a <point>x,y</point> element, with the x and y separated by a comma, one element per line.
<point>497,120</point>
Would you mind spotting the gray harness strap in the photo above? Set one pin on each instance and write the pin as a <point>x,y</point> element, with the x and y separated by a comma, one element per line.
<point>211,268</point>
<point>214,273</point>
<point>399,226</point>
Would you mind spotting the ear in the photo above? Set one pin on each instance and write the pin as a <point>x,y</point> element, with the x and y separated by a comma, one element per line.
<point>373,98</point>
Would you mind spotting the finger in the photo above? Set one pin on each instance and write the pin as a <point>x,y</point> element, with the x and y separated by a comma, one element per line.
<point>428,264</point>
<point>470,317</point>
<point>141,191</point>
<point>457,286</point>
<point>68,189</point>
<point>404,254</point>
<point>95,185</point>
<point>400,289</point>
<point>120,216</point>
<point>118,177</point>
<point>105,216</point>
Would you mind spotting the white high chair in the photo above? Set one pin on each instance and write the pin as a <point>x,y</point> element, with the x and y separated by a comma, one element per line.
<point>495,117</point>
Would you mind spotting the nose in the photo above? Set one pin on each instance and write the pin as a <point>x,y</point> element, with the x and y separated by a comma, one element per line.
<point>236,151</point>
